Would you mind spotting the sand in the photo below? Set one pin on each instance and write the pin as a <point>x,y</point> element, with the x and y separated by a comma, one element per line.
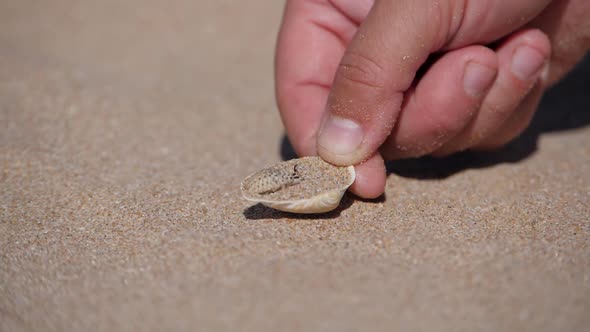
<point>126,129</point>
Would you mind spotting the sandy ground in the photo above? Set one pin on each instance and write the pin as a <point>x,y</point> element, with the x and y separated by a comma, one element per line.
<point>126,128</point>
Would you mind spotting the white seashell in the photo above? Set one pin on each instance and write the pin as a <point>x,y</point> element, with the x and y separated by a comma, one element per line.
<point>304,185</point>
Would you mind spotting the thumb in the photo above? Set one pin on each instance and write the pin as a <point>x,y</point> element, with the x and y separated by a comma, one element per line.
<point>378,66</point>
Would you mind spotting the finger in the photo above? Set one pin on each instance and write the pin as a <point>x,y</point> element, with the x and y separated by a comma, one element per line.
<point>310,44</point>
<point>517,122</point>
<point>377,68</point>
<point>522,58</point>
<point>370,178</point>
<point>442,104</point>
<point>567,25</point>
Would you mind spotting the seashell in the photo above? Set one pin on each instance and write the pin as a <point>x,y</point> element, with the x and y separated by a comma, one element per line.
<point>304,185</point>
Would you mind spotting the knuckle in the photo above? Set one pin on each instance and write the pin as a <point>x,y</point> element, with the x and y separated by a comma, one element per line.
<point>361,70</point>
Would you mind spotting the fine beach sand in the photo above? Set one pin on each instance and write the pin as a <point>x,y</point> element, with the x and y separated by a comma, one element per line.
<point>126,128</point>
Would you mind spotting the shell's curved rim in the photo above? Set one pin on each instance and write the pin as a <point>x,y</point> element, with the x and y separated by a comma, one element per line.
<point>352,177</point>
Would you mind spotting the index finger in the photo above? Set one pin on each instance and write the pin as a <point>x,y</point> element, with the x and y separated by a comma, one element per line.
<point>311,42</point>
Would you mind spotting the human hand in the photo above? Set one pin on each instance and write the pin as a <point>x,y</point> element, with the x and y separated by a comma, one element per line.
<point>348,69</point>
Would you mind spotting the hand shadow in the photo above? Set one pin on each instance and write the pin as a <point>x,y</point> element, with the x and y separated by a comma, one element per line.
<point>565,106</point>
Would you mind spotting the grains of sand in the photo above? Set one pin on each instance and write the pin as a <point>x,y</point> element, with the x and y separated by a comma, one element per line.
<point>296,179</point>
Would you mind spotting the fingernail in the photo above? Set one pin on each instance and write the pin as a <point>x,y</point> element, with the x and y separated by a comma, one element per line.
<point>340,136</point>
<point>478,78</point>
<point>526,62</point>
